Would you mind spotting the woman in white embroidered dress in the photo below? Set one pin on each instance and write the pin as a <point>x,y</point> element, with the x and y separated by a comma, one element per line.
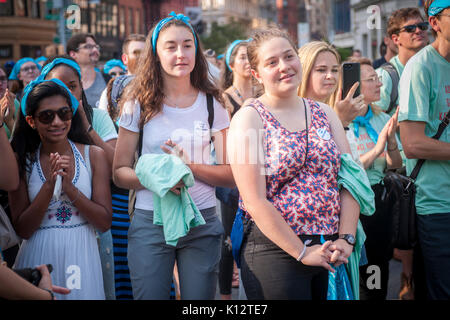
<point>49,141</point>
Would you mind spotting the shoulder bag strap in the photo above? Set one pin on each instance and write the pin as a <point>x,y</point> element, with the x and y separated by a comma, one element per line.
<point>441,129</point>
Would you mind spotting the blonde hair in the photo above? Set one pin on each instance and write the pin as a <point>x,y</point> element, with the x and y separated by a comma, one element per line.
<point>308,55</point>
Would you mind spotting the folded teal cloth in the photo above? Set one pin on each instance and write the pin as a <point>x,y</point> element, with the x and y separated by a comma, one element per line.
<point>354,178</point>
<point>176,213</point>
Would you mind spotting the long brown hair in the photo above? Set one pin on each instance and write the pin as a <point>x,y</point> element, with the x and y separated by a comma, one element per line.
<point>147,87</point>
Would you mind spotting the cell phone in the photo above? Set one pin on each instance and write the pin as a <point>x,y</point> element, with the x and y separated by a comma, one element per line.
<point>351,73</point>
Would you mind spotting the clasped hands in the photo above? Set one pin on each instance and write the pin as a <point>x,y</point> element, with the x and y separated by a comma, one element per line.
<point>330,252</point>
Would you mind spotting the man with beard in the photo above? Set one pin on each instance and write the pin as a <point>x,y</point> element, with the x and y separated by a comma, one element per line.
<point>86,52</point>
<point>132,47</point>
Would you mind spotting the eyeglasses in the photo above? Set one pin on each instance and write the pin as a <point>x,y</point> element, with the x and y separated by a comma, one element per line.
<point>115,74</point>
<point>3,79</point>
<point>90,47</point>
<point>29,69</point>
<point>47,116</point>
<point>412,27</point>
<point>373,79</point>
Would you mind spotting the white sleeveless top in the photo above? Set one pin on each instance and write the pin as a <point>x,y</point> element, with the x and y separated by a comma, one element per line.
<point>65,238</point>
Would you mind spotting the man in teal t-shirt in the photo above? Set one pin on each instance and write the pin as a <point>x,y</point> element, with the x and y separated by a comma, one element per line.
<point>424,102</point>
<point>408,43</point>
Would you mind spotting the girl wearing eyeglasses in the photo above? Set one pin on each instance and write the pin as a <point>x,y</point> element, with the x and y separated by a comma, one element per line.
<point>114,68</point>
<point>59,228</point>
<point>236,81</point>
<point>25,70</point>
<point>379,149</point>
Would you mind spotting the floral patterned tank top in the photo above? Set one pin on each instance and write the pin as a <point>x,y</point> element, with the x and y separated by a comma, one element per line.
<point>301,182</point>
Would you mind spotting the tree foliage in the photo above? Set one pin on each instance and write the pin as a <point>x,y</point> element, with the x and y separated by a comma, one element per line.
<point>221,36</point>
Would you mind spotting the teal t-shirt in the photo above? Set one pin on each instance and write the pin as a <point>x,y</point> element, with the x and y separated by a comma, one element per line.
<point>425,97</point>
<point>386,89</point>
<point>376,171</point>
<point>103,125</point>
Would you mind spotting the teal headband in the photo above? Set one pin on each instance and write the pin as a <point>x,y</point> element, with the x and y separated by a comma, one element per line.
<point>163,22</point>
<point>41,58</point>
<point>113,63</point>
<point>437,7</point>
<point>16,69</point>
<point>34,83</point>
<point>49,67</point>
<point>230,50</point>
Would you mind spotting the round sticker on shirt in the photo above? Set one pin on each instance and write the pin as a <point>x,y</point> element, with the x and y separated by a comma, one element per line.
<point>323,133</point>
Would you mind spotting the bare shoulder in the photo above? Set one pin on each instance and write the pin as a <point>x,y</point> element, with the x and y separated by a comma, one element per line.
<point>328,110</point>
<point>246,117</point>
<point>96,153</point>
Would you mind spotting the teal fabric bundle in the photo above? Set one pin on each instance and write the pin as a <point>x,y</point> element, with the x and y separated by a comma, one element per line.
<point>176,213</point>
<point>353,178</point>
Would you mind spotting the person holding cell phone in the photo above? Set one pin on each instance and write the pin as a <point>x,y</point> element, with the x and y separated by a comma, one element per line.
<point>321,76</point>
<point>379,149</point>
<point>50,141</point>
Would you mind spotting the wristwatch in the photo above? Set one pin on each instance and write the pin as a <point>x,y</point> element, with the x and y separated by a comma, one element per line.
<point>349,238</point>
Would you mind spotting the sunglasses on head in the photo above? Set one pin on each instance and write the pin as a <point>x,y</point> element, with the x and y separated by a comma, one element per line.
<point>47,116</point>
<point>412,27</point>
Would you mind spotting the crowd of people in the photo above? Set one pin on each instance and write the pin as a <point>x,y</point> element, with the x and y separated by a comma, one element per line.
<point>113,176</point>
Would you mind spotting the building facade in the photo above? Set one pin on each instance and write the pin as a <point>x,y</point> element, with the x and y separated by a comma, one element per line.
<point>288,16</point>
<point>250,13</point>
<point>155,10</point>
<point>362,24</point>
<point>25,32</point>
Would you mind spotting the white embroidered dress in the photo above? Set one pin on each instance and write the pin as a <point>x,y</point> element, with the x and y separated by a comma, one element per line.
<point>65,239</point>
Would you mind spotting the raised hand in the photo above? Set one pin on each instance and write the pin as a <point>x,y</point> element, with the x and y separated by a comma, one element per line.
<point>349,108</point>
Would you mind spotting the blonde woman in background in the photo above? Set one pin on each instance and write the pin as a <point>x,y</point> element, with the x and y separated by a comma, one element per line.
<point>321,73</point>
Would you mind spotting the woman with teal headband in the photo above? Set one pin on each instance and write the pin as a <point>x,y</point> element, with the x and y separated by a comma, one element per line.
<point>114,68</point>
<point>165,108</point>
<point>236,82</point>
<point>102,134</point>
<point>25,70</point>
<point>49,141</point>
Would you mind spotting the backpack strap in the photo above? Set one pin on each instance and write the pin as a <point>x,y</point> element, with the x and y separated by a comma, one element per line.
<point>210,106</point>
<point>395,77</point>
<point>236,106</point>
